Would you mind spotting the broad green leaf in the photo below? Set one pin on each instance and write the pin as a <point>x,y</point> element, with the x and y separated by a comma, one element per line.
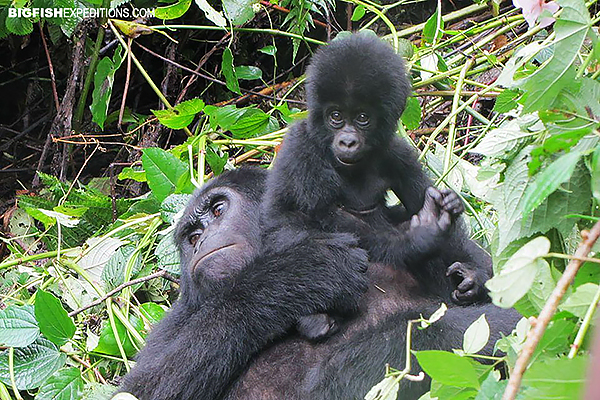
<point>558,336</point>
<point>101,251</point>
<point>32,364</point>
<point>238,11</point>
<point>216,158</point>
<point>163,170</point>
<point>506,101</point>
<point>549,180</point>
<point>476,336</point>
<point>152,312</point>
<point>358,13</point>
<point>579,301</point>
<point>131,173</point>
<point>107,344</point>
<point>103,84</point>
<point>113,273</point>
<point>571,29</point>
<point>172,206</point>
<point>167,254</point>
<point>18,326</point>
<point>502,141</point>
<point>387,389</point>
<point>519,272</point>
<point>442,391</point>
<point>228,71</point>
<point>97,391</point>
<point>448,368</point>
<point>213,15</point>
<point>411,117</point>
<point>172,11</point>
<point>270,50</point>
<point>248,72</point>
<point>433,28</point>
<point>251,124</point>
<point>491,388</point>
<point>557,379</point>
<point>55,324</point>
<point>66,384</point>
<point>19,25</point>
<point>181,115</point>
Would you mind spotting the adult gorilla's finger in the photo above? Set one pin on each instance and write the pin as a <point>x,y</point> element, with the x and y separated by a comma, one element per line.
<point>455,268</point>
<point>466,285</point>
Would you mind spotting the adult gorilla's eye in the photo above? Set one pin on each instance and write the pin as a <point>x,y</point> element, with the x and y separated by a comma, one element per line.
<point>362,119</point>
<point>194,237</point>
<point>336,117</point>
<point>218,208</point>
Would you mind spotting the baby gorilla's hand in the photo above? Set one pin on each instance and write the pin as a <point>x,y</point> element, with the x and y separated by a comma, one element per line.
<point>449,201</point>
<point>429,226</point>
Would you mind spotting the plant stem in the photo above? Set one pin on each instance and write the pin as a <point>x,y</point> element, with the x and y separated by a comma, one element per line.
<point>89,76</point>
<point>585,324</point>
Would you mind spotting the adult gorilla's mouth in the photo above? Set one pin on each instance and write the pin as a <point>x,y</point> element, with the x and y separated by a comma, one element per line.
<point>347,162</point>
<point>210,253</point>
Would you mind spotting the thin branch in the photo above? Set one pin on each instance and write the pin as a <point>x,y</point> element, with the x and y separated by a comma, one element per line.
<point>52,77</point>
<point>159,274</point>
<point>534,336</point>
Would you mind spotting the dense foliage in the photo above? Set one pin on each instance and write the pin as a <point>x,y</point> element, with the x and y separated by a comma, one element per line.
<point>506,112</point>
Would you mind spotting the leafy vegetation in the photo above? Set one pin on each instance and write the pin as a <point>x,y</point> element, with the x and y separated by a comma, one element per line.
<point>506,112</point>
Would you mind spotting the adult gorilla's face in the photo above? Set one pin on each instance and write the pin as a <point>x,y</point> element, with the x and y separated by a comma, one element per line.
<point>219,232</point>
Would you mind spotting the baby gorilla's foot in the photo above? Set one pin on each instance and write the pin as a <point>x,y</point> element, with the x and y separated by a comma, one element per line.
<point>317,327</point>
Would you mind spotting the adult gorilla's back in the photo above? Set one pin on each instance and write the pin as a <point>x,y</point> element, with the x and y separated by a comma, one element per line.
<point>347,365</point>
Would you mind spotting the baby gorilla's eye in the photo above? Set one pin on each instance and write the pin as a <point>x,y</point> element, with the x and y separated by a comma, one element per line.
<point>194,237</point>
<point>218,208</point>
<point>362,119</point>
<point>336,117</point>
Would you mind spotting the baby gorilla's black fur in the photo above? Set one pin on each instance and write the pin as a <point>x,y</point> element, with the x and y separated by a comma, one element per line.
<point>333,171</point>
<point>236,298</point>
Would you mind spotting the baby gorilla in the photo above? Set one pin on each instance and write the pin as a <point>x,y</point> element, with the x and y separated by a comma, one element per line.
<point>334,169</point>
<point>235,297</point>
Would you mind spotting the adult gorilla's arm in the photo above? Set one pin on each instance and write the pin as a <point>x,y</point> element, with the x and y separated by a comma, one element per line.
<point>204,342</point>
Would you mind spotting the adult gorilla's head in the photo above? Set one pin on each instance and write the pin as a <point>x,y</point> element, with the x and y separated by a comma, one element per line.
<point>219,232</point>
<point>355,103</point>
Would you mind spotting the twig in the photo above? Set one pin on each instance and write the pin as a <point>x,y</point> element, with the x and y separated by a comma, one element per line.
<point>159,274</point>
<point>534,336</point>
<point>52,77</point>
<point>286,11</point>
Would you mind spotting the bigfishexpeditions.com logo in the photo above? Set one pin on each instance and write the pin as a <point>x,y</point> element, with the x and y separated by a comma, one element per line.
<point>117,13</point>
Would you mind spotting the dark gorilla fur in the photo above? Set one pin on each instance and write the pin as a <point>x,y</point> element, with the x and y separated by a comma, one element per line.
<point>333,171</point>
<point>236,298</point>
<point>203,347</point>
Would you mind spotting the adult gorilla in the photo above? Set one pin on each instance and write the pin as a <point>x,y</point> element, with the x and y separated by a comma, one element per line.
<point>235,299</point>
<point>236,302</point>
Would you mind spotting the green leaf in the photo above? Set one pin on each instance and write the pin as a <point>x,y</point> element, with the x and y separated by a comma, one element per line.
<point>172,11</point>
<point>549,180</point>
<point>433,28</point>
<point>502,141</point>
<point>491,388</point>
<point>270,50</point>
<point>131,173</point>
<point>518,274</point>
<point>448,368</point>
<point>506,101</point>
<point>476,336</point>
<point>107,343</point>
<point>248,72</point>
<point>229,72</point>
<point>216,159</point>
<point>441,391</point>
<point>557,379</point>
<point>66,384</point>
<point>167,254</point>
<point>571,29</point>
<point>19,25</point>
<point>103,84</point>
<point>55,324</point>
<point>173,205</point>
<point>358,12</point>
<point>411,117</point>
<point>238,11</point>
<point>152,312</point>
<point>579,301</point>
<point>18,327</point>
<point>113,273</point>
<point>32,364</point>
<point>181,115</point>
<point>163,170</point>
